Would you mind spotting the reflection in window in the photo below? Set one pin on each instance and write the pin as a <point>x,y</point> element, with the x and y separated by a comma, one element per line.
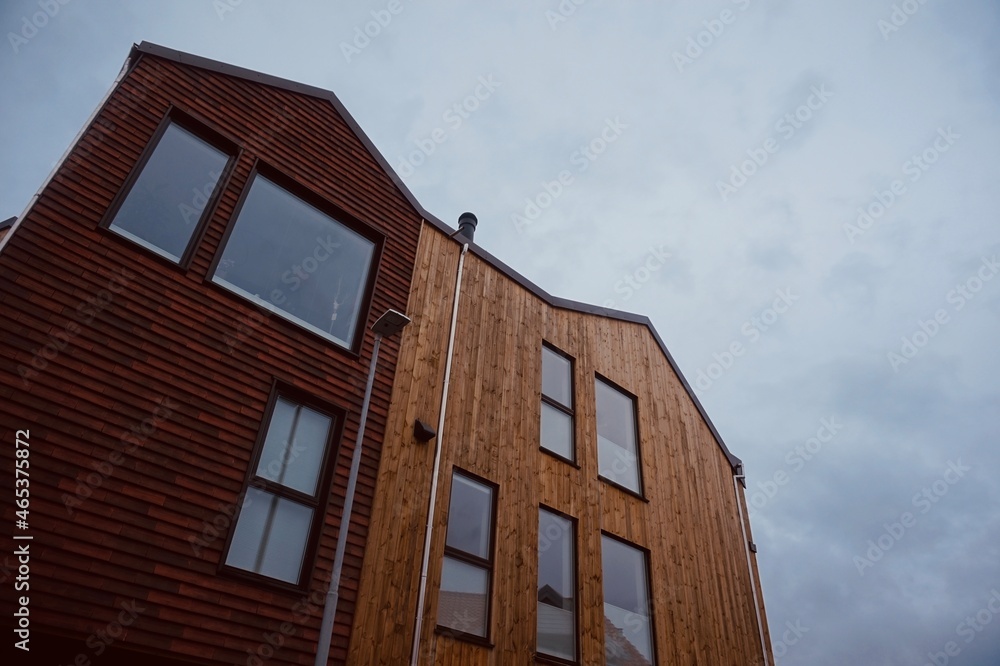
<point>274,526</point>
<point>557,404</point>
<point>168,198</point>
<point>628,630</point>
<point>617,450</point>
<point>296,260</point>
<point>556,586</point>
<point>463,599</point>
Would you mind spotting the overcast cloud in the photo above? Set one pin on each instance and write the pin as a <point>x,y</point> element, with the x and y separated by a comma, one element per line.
<point>702,163</point>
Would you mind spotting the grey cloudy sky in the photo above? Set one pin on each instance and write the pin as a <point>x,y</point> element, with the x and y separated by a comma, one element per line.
<point>703,163</point>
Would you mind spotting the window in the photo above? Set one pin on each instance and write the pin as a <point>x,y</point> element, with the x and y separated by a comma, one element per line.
<point>628,629</point>
<point>169,194</point>
<point>617,446</point>
<point>277,522</point>
<point>464,599</point>
<point>290,257</point>
<point>556,586</point>
<point>557,404</point>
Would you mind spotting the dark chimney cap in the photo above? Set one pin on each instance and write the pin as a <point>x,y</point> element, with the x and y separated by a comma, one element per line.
<point>467,225</point>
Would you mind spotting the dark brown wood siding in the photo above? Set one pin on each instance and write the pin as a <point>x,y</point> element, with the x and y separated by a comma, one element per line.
<point>703,611</point>
<point>190,366</point>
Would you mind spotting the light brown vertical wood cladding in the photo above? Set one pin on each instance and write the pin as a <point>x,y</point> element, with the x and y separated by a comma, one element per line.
<point>172,335</point>
<point>703,607</point>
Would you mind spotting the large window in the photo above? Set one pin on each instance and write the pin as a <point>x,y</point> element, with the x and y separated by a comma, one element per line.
<point>557,404</point>
<point>276,525</point>
<point>556,586</point>
<point>464,598</point>
<point>292,258</point>
<point>617,446</point>
<point>169,194</point>
<point>628,627</point>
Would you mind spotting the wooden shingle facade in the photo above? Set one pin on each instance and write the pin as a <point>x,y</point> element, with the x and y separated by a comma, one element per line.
<point>144,385</point>
<point>584,509</point>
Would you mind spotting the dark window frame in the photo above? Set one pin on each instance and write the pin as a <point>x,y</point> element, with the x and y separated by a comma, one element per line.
<point>647,557</point>
<point>319,503</point>
<point>488,564</point>
<point>541,657</point>
<point>641,492</point>
<point>339,215</point>
<point>552,402</point>
<point>203,130</point>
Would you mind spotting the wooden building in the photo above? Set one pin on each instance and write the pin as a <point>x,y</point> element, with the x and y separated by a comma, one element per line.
<point>584,499</point>
<point>538,482</point>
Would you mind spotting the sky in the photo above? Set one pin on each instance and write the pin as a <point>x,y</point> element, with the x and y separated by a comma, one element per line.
<point>801,196</point>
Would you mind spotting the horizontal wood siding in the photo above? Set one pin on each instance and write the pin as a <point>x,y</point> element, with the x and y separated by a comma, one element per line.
<point>703,607</point>
<point>162,337</point>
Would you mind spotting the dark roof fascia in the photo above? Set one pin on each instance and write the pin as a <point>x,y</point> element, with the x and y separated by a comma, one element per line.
<point>8,222</point>
<point>313,91</point>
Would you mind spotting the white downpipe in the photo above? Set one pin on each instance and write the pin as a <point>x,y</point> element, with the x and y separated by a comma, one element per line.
<point>746,550</point>
<point>69,149</point>
<point>428,531</point>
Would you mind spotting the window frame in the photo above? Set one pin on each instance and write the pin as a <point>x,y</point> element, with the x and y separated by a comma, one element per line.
<point>489,565</point>
<point>328,208</point>
<point>641,492</point>
<point>555,404</point>
<point>319,503</point>
<point>541,657</point>
<point>647,558</point>
<point>203,130</point>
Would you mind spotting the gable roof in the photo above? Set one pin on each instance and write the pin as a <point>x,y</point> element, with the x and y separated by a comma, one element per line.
<point>190,60</point>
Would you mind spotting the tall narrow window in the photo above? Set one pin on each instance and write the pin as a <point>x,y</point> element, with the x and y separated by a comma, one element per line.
<point>628,627</point>
<point>617,446</point>
<point>277,522</point>
<point>464,598</point>
<point>168,195</point>
<point>557,404</point>
<point>556,586</point>
<point>290,257</point>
